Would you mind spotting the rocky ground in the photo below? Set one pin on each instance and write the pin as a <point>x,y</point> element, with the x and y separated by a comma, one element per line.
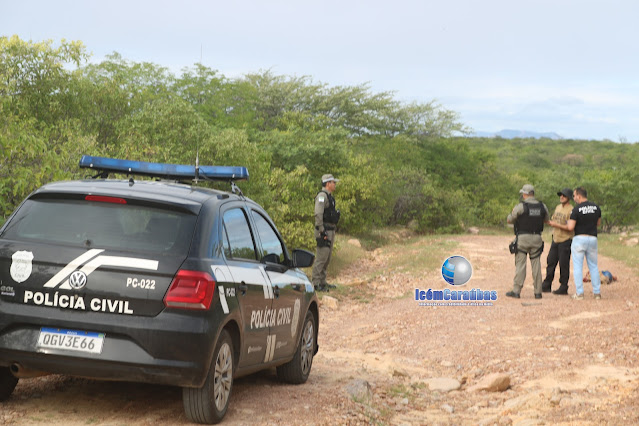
<point>384,359</point>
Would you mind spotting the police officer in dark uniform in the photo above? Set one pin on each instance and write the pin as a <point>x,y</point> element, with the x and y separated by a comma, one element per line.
<point>528,217</point>
<point>326,218</point>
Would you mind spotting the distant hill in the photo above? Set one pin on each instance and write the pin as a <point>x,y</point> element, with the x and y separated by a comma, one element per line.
<point>511,134</point>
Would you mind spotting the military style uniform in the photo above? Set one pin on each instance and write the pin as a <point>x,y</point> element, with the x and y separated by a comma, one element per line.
<point>326,218</point>
<point>528,217</point>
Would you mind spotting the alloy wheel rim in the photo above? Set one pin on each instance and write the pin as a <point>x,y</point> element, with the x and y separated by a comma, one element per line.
<point>223,378</point>
<point>308,339</point>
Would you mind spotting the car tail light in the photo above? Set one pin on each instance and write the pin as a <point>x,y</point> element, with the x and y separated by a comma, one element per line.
<point>190,290</point>
<point>105,199</point>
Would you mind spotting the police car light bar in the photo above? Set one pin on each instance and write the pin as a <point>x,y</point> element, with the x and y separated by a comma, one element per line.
<point>163,170</point>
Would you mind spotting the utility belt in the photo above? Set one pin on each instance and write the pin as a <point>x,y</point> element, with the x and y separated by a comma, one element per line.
<point>514,248</point>
<point>329,227</point>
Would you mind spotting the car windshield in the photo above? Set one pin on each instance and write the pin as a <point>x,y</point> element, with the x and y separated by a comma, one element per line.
<point>102,225</point>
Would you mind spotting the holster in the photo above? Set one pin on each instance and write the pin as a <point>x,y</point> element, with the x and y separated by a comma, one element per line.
<point>321,242</point>
<point>513,247</point>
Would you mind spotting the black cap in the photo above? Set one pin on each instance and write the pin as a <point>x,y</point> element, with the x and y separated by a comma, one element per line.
<point>567,192</point>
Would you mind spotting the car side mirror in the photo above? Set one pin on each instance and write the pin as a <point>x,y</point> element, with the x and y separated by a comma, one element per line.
<point>271,258</point>
<point>303,258</point>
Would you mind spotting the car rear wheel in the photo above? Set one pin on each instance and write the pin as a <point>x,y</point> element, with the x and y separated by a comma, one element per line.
<point>209,403</point>
<point>297,370</point>
<point>8,382</point>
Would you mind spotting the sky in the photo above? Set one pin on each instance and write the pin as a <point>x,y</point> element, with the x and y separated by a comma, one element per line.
<point>564,66</point>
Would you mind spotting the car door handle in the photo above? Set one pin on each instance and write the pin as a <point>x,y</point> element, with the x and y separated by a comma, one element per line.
<point>243,287</point>
<point>276,291</point>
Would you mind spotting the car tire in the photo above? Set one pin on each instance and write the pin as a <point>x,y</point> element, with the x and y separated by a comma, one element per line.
<point>209,403</point>
<point>8,383</point>
<point>297,370</point>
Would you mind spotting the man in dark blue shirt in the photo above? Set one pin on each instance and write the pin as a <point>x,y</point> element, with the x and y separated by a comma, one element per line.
<point>584,221</point>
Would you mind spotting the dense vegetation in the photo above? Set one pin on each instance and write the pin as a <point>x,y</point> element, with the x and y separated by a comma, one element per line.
<point>398,162</point>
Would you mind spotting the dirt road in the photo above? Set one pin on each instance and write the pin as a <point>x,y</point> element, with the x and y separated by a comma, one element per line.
<point>566,361</point>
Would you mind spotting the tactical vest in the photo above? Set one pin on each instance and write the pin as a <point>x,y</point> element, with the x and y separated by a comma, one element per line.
<point>331,215</point>
<point>532,220</point>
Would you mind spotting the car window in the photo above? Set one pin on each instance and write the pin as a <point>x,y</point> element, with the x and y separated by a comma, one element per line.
<point>238,233</point>
<point>225,244</point>
<point>271,244</point>
<point>102,225</point>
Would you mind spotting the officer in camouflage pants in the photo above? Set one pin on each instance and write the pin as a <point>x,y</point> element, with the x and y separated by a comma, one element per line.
<point>326,218</point>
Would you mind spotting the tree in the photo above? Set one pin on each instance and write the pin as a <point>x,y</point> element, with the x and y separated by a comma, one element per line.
<point>38,141</point>
<point>33,78</point>
<point>206,91</point>
<point>113,91</point>
<point>615,192</point>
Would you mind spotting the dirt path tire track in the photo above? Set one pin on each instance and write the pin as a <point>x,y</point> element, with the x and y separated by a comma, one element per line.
<point>569,362</point>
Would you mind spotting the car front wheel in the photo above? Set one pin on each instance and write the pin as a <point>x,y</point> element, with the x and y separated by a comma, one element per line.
<point>209,403</point>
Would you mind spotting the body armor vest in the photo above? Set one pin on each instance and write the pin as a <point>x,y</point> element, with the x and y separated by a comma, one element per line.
<point>331,215</point>
<point>532,220</point>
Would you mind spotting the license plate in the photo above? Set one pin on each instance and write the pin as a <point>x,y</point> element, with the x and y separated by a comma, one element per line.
<point>71,340</point>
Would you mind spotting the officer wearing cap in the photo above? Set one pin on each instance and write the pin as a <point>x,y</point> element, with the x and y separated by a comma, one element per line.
<point>528,217</point>
<point>560,247</point>
<point>326,218</point>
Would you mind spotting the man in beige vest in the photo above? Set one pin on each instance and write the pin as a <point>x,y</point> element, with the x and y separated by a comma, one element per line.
<point>560,248</point>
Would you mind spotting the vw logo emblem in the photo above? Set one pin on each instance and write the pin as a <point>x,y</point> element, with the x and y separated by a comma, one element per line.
<point>78,279</point>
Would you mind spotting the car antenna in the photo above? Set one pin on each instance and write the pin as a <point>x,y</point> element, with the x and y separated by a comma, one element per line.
<point>197,165</point>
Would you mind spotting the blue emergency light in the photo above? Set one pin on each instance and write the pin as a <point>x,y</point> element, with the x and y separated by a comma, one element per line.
<point>163,170</point>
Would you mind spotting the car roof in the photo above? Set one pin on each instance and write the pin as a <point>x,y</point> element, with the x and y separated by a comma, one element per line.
<point>158,191</point>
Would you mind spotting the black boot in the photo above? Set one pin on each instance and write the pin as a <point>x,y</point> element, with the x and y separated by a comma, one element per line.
<point>545,287</point>
<point>561,290</point>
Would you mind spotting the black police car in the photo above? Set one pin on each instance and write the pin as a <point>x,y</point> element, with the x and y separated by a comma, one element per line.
<point>152,281</point>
